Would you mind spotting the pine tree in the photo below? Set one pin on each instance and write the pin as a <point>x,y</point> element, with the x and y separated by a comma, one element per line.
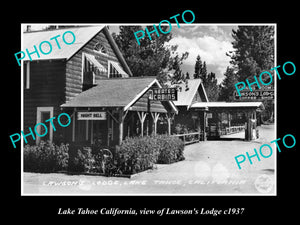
<point>198,67</point>
<point>175,63</point>
<point>254,50</point>
<point>152,57</point>
<point>211,87</point>
<point>203,73</point>
<point>253,54</point>
<point>209,81</point>
<point>227,86</point>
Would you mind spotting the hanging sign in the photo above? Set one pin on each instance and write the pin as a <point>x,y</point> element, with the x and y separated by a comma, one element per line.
<point>163,94</point>
<point>91,115</point>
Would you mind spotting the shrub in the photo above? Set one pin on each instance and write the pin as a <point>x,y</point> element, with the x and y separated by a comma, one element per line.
<point>137,154</point>
<point>62,156</point>
<point>170,149</point>
<point>92,159</point>
<point>84,161</point>
<point>45,157</point>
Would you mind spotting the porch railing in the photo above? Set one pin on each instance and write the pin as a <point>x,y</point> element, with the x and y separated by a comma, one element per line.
<point>189,138</point>
<point>233,130</point>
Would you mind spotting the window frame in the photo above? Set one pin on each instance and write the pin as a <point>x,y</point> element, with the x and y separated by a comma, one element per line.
<point>39,111</point>
<point>109,64</point>
<point>83,69</point>
<point>26,75</point>
<point>98,51</point>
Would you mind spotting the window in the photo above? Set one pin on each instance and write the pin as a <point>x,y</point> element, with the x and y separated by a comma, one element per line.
<point>115,70</point>
<point>88,72</point>
<point>43,114</point>
<point>100,48</point>
<point>90,68</point>
<point>26,73</point>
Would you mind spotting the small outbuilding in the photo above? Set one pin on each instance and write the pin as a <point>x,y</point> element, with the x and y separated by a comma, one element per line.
<point>204,120</point>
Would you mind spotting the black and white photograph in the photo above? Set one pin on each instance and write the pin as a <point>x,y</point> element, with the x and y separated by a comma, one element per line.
<point>150,111</point>
<point>171,109</point>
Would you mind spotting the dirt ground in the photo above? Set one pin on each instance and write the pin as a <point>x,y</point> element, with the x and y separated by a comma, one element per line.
<point>209,168</point>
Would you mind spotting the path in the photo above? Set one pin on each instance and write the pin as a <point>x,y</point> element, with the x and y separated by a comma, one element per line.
<point>209,168</point>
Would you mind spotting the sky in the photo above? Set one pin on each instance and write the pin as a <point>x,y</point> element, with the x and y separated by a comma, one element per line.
<point>210,41</point>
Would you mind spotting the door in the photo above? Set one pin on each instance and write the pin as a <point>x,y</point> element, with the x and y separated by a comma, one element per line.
<point>43,114</point>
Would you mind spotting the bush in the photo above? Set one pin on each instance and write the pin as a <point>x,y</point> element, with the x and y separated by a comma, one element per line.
<point>84,161</point>
<point>92,159</point>
<point>170,149</point>
<point>137,154</point>
<point>46,157</point>
<point>134,155</point>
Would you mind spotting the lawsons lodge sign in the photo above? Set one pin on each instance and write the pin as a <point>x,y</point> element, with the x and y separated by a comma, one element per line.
<point>254,95</point>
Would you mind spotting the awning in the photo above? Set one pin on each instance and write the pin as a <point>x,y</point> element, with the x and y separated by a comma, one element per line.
<point>228,105</point>
<point>119,69</point>
<point>95,62</point>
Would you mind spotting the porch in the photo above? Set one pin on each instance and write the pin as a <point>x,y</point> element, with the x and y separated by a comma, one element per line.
<point>224,118</point>
<point>126,110</point>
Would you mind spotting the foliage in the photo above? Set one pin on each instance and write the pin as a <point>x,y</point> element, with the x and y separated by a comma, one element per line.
<point>170,149</point>
<point>211,87</point>
<point>150,58</point>
<point>46,157</point>
<point>227,86</point>
<point>253,53</point>
<point>209,80</point>
<point>198,68</point>
<point>137,154</point>
<point>84,161</point>
<point>92,160</point>
<point>181,129</point>
<point>254,50</point>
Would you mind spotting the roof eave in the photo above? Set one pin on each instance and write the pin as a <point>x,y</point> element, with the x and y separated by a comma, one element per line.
<point>117,51</point>
<point>155,81</point>
<point>203,89</point>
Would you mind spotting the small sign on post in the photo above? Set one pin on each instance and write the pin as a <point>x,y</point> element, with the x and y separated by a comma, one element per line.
<point>254,95</point>
<point>163,94</point>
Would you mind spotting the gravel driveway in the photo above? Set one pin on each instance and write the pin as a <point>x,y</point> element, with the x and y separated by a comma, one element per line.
<point>209,169</point>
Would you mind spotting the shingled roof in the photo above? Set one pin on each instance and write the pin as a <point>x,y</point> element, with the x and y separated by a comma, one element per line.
<point>228,105</point>
<point>186,95</point>
<point>117,92</point>
<point>82,36</point>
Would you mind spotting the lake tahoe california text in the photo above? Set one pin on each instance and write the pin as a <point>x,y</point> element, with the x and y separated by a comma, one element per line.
<point>145,211</point>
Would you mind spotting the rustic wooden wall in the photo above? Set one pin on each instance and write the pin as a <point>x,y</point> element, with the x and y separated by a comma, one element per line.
<point>74,65</point>
<point>47,79</point>
<point>143,104</point>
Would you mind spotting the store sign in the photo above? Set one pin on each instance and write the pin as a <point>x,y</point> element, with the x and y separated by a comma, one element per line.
<point>163,94</point>
<point>255,94</point>
<point>91,115</point>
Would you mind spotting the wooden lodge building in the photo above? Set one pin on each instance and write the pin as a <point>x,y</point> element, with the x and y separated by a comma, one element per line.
<point>91,81</point>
